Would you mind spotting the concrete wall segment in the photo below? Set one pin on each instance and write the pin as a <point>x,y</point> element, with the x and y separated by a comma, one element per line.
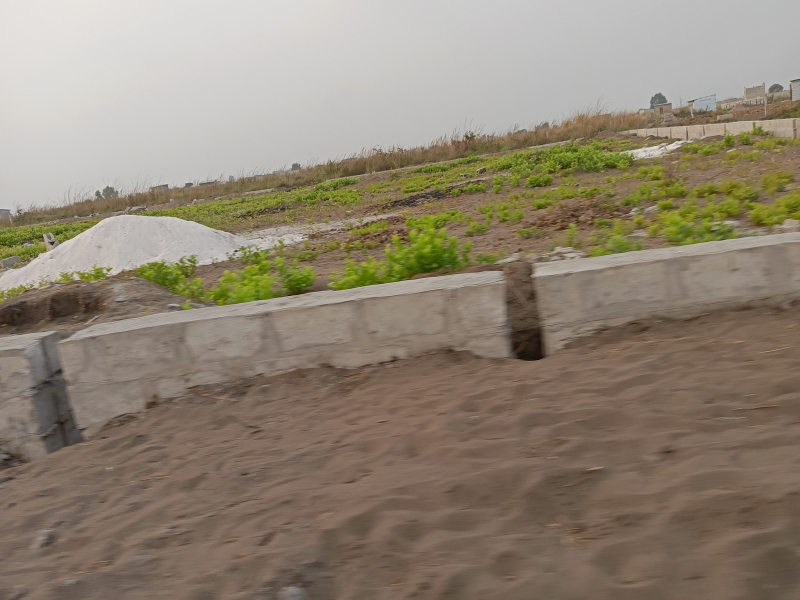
<point>594,293</point>
<point>35,417</point>
<point>119,368</point>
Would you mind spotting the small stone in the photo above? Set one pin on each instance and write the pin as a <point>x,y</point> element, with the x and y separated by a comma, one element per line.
<point>638,234</point>
<point>18,592</point>
<point>292,593</point>
<point>650,209</point>
<point>46,537</point>
<point>481,170</point>
<point>174,306</point>
<point>9,262</point>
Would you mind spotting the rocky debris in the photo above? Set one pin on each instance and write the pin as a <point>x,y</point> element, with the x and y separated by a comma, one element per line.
<point>132,210</point>
<point>292,593</point>
<point>481,170</point>
<point>561,253</point>
<point>50,242</point>
<point>46,537</point>
<point>788,226</point>
<point>510,259</point>
<point>9,262</point>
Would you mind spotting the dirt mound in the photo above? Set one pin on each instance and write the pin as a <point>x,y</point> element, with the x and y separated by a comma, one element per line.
<point>658,463</point>
<point>69,307</point>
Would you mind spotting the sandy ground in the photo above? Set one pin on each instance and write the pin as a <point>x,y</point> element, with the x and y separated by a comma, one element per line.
<point>654,462</point>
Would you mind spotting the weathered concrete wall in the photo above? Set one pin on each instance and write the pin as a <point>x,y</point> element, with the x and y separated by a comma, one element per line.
<point>578,297</point>
<point>35,417</point>
<point>783,128</point>
<point>737,127</point>
<point>119,368</point>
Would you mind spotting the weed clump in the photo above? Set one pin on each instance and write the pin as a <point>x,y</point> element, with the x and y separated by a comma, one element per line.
<point>428,249</point>
<point>786,207</point>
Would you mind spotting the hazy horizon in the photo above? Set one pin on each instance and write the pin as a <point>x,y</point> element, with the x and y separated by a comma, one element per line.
<point>95,94</point>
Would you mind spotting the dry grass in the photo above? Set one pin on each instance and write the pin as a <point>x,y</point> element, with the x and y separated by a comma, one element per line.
<point>582,124</point>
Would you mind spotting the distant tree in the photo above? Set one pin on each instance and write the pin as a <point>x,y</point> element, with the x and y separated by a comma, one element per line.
<point>295,166</point>
<point>659,98</point>
<point>775,88</point>
<point>107,193</point>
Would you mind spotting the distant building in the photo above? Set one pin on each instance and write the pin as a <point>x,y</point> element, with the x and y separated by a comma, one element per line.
<point>794,88</point>
<point>208,182</point>
<point>160,188</point>
<point>706,103</point>
<point>753,93</point>
<point>663,109</point>
<point>5,215</point>
<point>729,103</point>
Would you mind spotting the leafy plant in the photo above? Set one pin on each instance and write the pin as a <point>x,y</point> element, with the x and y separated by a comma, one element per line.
<point>330,186</point>
<point>690,224</point>
<point>293,279</point>
<point>497,184</point>
<point>530,232</point>
<point>612,241</point>
<point>375,227</point>
<point>786,207</point>
<point>476,228</point>
<point>744,139</point>
<point>541,180</point>
<point>436,221</point>
<point>776,181</point>
<point>427,249</point>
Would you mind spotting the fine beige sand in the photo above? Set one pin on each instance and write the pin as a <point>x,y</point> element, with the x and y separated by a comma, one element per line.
<point>655,462</point>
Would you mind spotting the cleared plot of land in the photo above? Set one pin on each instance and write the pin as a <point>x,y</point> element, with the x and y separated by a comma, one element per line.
<point>659,461</point>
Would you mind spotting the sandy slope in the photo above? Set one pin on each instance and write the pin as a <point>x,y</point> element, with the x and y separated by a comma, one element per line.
<point>653,464</point>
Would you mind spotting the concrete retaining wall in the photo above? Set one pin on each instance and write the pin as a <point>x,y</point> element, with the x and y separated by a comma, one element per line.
<point>578,297</point>
<point>784,128</point>
<point>35,416</point>
<point>119,368</point>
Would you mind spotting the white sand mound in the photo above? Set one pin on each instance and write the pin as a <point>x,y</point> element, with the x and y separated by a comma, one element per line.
<point>126,242</point>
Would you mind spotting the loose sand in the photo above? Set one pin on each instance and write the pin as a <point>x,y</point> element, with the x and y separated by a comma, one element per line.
<point>641,464</point>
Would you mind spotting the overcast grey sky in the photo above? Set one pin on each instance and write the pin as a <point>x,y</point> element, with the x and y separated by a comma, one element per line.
<point>94,92</point>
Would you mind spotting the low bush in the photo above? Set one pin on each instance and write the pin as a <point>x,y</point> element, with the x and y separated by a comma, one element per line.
<point>428,249</point>
<point>786,207</point>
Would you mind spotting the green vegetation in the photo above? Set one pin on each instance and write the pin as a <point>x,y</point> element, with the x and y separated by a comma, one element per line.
<point>655,191</point>
<point>375,227</point>
<point>560,159</point>
<point>255,282</point>
<point>777,181</point>
<point>653,173</point>
<point>435,221</point>
<point>744,139</point>
<point>692,224</point>
<point>786,207</point>
<point>13,238</point>
<point>476,228</point>
<point>330,186</point>
<point>428,249</point>
<point>470,188</point>
<point>530,232</point>
<point>735,189</point>
<point>612,241</point>
<point>541,180</point>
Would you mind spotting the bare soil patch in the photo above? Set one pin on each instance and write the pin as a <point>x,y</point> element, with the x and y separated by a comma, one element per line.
<point>656,461</point>
<point>69,307</point>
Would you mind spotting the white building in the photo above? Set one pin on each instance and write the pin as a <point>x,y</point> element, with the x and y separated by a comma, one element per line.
<point>794,88</point>
<point>5,215</point>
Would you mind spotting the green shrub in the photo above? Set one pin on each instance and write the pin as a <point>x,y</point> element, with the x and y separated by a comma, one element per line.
<point>653,173</point>
<point>744,139</point>
<point>690,224</point>
<point>786,207</point>
<point>375,227</point>
<point>542,180</point>
<point>470,188</point>
<point>728,141</point>
<point>612,241</point>
<point>777,181</point>
<point>530,232</point>
<point>436,221</point>
<point>476,228</point>
<point>497,184</point>
<point>330,186</point>
<point>428,249</point>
